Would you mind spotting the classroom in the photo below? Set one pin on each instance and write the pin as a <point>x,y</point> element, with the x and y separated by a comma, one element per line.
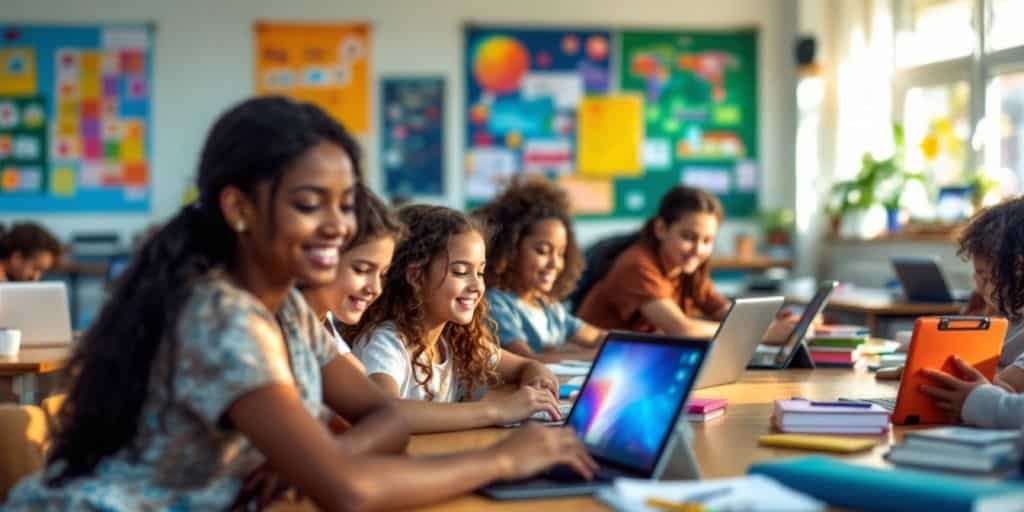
<point>657,255</point>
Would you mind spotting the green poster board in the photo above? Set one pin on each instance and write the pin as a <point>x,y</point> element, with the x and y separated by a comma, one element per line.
<point>700,110</point>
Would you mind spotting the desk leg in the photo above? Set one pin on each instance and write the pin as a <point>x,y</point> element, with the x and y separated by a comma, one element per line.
<point>25,387</point>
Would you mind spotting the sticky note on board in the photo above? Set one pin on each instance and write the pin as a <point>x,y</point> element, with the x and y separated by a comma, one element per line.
<point>17,72</point>
<point>589,196</point>
<point>610,136</point>
<point>62,183</point>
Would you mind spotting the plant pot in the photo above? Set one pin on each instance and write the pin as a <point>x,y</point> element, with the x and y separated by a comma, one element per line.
<point>746,247</point>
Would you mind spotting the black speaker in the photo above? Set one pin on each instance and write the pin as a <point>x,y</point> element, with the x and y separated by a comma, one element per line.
<point>806,47</point>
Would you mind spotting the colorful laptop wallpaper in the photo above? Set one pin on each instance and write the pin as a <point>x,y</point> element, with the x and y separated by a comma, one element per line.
<point>626,408</point>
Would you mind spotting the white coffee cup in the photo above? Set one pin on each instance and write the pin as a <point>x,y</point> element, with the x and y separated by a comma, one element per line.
<point>10,342</point>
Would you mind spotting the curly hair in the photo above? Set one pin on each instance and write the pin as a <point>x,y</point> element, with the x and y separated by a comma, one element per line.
<point>472,346</point>
<point>512,216</point>
<point>997,235</point>
<point>375,219</point>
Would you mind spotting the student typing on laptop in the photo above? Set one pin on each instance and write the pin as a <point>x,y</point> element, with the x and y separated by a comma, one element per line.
<point>660,282</point>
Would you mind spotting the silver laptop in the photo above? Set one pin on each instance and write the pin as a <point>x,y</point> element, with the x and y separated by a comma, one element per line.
<point>737,338</point>
<point>39,310</point>
<point>625,414</point>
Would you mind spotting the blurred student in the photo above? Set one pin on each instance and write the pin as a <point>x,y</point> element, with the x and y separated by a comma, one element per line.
<point>27,251</point>
<point>533,264</point>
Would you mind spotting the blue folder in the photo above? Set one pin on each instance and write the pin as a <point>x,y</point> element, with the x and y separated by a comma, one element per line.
<point>872,489</point>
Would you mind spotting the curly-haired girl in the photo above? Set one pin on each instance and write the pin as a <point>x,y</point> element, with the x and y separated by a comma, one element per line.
<point>27,251</point>
<point>994,241</point>
<point>427,337</point>
<point>533,264</point>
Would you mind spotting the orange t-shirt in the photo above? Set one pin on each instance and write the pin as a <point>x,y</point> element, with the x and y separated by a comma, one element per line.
<point>635,279</point>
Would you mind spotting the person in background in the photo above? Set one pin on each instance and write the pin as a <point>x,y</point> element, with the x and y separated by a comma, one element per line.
<point>27,251</point>
<point>660,280</point>
<point>219,366</point>
<point>361,269</point>
<point>426,340</point>
<point>533,264</point>
<point>994,242</point>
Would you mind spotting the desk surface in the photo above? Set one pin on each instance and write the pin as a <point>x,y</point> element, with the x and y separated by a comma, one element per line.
<point>879,302</point>
<point>35,360</point>
<point>724,447</point>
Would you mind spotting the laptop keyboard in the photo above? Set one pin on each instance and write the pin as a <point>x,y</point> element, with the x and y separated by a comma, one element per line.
<point>567,474</point>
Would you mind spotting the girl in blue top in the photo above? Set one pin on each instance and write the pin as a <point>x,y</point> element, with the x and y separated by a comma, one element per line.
<point>534,263</point>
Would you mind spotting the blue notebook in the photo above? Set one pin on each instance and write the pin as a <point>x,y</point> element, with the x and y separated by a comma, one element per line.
<point>871,489</point>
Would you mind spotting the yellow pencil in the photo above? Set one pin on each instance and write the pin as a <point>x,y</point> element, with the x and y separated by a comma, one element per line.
<point>671,506</point>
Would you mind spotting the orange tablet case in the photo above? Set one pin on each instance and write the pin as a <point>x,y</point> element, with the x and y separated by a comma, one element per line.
<point>977,340</point>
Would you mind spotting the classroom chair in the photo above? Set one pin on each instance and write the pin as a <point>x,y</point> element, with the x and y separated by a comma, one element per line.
<point>23,439</point>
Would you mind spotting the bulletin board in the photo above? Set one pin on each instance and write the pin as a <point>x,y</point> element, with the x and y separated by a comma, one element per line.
<point>75,108</point>
<point>412,135</point>
<point>617,118</point>
<point>700,115</point>
<point>524,88</point>
<point>324,64</point>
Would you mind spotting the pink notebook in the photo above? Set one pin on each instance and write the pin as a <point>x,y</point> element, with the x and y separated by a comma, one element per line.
<point>704,405</point>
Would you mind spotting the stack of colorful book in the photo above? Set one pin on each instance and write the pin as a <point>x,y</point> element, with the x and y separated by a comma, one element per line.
<point>705,409</point>
<point>810,417</point>
<point>961,449</point>
<point>837,346</point>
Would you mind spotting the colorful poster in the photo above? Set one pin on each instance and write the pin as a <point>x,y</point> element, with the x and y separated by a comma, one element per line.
<point>324,64</point>
<point>412,135</point>
<point>611,136</point>
<point>700,115</point>
<point>75,118</point>
<point>523,91</point>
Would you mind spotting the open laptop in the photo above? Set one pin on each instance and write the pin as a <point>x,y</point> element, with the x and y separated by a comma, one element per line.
<point>737,338</point>
<point>923,281</point>
<point>625,414</point>
<point>39,310</point>
<point>787,354</point>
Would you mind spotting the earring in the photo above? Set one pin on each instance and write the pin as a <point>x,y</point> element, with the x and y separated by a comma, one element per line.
<point>240,226</point>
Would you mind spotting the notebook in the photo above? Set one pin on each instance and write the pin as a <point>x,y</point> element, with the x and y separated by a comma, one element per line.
<point>804,416</point>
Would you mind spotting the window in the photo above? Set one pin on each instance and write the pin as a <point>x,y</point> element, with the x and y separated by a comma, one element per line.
<point>935,30</point>
<point>937,126</point>
<point>1004,19</point>
<point>962,109</point>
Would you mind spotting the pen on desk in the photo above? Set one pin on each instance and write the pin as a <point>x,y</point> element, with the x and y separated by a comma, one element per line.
<point>691,503</point>
<point>858,405</point>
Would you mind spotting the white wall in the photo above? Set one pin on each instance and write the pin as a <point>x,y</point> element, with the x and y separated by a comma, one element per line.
<point>204,60</point>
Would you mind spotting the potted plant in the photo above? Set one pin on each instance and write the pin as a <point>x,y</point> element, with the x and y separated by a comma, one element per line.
<point>777,225</point>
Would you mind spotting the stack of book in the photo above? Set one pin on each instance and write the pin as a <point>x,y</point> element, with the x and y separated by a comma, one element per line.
<point>705,409</point>
<point>809,417</point>
<point>837,346</point>
<point>961,449</point>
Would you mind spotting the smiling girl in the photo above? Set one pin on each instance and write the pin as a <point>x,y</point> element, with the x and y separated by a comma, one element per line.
<point>534,264</point>
<point>662,281</point>
<point>204,339</point>
<point>426,339</point>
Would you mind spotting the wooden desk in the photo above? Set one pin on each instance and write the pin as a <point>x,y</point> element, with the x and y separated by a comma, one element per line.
<point>724,447</point>
<point>29,364</point>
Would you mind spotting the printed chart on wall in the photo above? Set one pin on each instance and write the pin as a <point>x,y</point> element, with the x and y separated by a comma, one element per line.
<point>324,64</point>
<point>75,118</point>
<point>700,116</point>
<point>524,90</point>
<point>412,135</point>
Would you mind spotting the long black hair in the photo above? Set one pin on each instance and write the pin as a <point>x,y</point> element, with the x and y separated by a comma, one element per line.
<point>253,143</point>
<point>27,238</point>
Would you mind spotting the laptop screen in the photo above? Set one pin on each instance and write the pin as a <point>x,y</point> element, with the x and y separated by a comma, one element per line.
<point>629,404</point>
<point>814,307</point>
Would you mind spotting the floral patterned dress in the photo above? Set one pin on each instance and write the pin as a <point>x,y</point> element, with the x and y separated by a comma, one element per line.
<point>228,346</point>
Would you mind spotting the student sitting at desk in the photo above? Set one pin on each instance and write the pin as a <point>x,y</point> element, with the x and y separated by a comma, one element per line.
<point>205,362</point>
<point>994,241</point>
<point>533,263</point>
<point>361,269</point>
<point>661,282</point>
<point>427,337</point>
<point>27,251</point>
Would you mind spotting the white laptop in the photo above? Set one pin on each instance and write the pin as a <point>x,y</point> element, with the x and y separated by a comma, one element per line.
<point>737,339</point>
<point>39,310</point>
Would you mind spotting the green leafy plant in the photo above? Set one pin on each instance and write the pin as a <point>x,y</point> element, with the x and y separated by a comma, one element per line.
<point>878,182</point>
<point>777,224</point>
